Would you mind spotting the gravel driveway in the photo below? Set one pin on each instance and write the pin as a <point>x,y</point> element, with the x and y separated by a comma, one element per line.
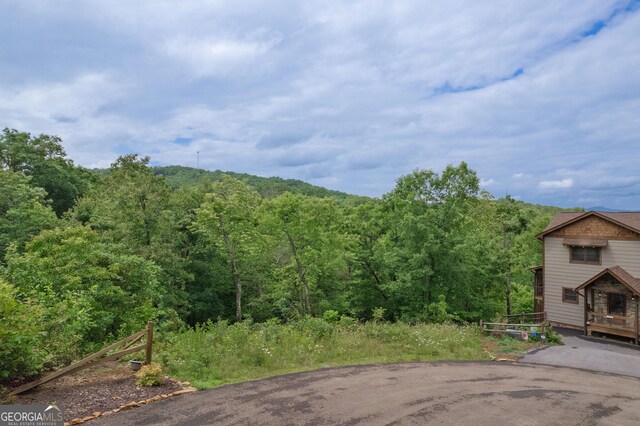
<point>578,352</point>
<point>460,393</point>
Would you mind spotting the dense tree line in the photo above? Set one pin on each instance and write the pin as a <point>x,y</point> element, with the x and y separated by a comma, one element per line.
<point>86,258</point>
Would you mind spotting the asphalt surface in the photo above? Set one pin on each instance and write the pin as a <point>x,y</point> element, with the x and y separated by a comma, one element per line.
<point>449,393</point>
<point>578,352</point>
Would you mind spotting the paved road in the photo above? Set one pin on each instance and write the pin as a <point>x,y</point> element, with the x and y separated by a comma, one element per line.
<point>473,393</point>
<point>589,355</point>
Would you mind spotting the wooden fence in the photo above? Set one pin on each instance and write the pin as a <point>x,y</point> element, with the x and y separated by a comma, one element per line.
<point>509,324</point>
<point>100,357</point>
<point>524,317</point>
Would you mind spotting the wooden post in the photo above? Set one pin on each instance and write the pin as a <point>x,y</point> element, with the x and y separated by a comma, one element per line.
<point>481,328</point>
<point>586,314</point>
<point>149,348</point>
<point>637,319</point>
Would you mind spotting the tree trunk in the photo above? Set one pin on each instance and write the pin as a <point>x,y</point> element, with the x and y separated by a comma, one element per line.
<point>146,221</point>
<point>372,272</point>
<point>507,277</point>
<point>235,271</point>
<point>301,273</point>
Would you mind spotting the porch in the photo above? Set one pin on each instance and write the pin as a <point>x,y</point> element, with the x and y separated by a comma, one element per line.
<point>611,304</point>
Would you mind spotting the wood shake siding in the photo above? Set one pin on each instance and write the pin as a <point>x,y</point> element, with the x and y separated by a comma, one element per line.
<point>559,272</point>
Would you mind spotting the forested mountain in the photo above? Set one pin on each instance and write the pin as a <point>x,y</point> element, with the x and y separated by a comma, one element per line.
<point>189,177</point>
<point>180,176</point>
<point>89,257</point>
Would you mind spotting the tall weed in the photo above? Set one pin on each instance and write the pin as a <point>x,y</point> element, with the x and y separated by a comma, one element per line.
<point>216,353</point>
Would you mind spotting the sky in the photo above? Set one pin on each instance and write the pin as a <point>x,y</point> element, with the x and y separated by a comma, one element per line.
<point>541,99</point>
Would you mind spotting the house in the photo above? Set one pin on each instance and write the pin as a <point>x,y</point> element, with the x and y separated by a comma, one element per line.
<point>589,277</point>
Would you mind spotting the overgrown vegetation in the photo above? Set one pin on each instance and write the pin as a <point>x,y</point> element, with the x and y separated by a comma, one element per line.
<point>88,258</point>
<point>217,353</point>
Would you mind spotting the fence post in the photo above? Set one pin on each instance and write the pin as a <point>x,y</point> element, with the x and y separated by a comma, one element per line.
<point>149,348</point>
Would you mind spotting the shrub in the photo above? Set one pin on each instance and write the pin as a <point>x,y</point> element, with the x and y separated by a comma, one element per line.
<point>315,328</point>
<point>438,312</point>
<point>552,337</point>
<point>331,316</point>
<point>20,353</point>
<point>378,314</point>
<point>348,322</point>
<point>150,375</point>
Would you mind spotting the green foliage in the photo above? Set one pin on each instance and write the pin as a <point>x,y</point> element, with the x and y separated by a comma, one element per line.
<point>378,314</point>
<point>23,210</point>
<point>91,293</point>
<point>44,160</point>
<point>150,375</point>
<point>218,353</point>
<point>438,312</point>
<point>552,337</point>
<point>133,209</point>
<point>184,177</point>
<point>21,354</point>
<point>312,253</point>
<point>180,245</point>
<point>227,218</point>
<point>331,316</point>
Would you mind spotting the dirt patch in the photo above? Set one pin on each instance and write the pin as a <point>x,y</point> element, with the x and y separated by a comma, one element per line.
<point>106,387</point>
<point>507,348</point>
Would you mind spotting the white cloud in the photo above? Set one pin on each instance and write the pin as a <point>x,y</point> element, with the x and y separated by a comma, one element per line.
<point>378,87</point>
<point>220,57</point>
<point>488,182</point>
<point>556,184</point>
<point>60,101</point>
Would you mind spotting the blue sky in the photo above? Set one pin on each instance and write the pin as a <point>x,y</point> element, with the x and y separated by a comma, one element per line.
<point>542,99</point>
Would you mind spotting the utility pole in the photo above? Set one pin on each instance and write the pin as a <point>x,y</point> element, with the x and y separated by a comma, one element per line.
<point>198,152</point>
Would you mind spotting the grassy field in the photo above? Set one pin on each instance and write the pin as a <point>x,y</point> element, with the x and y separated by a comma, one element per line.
<point>219,353</point>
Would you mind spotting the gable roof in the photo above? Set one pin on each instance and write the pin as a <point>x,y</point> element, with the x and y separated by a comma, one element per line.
<point>619,274</point>
<point>629,220</point>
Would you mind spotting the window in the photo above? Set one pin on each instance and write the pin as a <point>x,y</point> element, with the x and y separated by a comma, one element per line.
<point>617,304</point>
<point>569,296</point>
<point>588,255</point>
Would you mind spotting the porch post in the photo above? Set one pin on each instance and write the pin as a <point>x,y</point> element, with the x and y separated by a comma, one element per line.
<point>637,319</point>
<point>586,331</point>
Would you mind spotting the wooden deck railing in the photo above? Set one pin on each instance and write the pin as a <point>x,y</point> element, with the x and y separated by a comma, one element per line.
<point>611,321</point>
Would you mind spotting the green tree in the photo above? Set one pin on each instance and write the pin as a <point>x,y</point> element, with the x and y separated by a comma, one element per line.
<point>44,159</point>
<point>429,225</point>
<point>92,293</point>
<point>312,252</point>
<point>23,210</point>
<point>228,219</point>
<point>134,209</point>
<point>369,224</point>
<point>21,352</point>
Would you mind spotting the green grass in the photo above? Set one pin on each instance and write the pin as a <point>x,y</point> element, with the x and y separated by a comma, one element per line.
<point>218,353</point>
